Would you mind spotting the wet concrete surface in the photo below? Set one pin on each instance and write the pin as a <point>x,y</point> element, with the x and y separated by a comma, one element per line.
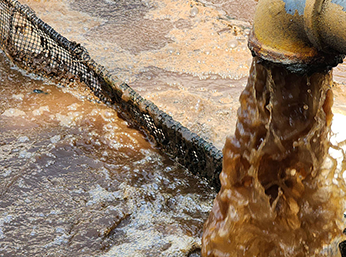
<point>194,50</point>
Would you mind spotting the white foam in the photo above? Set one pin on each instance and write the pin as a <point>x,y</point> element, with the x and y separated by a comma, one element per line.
<point>23,139</point>
<point>40,110</point>
<point>18,97</point>
<point>338,128</point>
<point>3,220</point>
<point>99,194</point>
<point>13,112</point>
<point>55,139</point>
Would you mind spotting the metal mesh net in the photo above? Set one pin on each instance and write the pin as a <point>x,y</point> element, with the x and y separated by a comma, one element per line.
<point>36,47</point>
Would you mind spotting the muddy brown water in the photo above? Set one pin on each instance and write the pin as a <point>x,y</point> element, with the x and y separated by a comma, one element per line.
<point>275,198</point>
<point>77,181</point>
<point>125,198</point>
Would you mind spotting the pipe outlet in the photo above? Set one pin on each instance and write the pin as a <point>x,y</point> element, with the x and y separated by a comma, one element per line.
<point>302,34</point>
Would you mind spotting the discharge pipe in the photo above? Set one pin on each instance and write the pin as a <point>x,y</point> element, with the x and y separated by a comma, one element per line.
<point>304,35</point>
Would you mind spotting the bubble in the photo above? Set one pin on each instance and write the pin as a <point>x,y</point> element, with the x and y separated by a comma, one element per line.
<point>65,120</point>
<point>33,232</point>
<point>99,194</point>
<point>73,107</point>
<point>247,31</point>
<point>107,114</point>
<point>59,230</point>
<point>232,44</point>
<point>7,172</point>
<point>193,11</point>
<point>24,154</point>
<point>40,110</point>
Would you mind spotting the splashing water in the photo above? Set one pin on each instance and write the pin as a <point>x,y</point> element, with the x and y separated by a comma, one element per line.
<point>277,198</point>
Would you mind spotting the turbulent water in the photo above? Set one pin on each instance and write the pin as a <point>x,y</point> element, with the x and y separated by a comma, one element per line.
<point>277,198</point>
<point>75,180</point>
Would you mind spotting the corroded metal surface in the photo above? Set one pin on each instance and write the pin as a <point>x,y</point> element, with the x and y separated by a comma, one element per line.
<point>306,35</point>
<point>332,26</point>
<point>296,62</point>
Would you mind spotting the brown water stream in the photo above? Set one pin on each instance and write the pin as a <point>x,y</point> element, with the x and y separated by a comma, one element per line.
<point>277,198</point>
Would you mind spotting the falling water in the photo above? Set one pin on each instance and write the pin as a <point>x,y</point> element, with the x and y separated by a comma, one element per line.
<point>277,196</point>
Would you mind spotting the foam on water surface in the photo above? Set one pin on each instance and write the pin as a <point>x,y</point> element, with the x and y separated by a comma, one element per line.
<point>75,179</point>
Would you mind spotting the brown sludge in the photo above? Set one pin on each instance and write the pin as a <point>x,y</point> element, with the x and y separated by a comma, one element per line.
<point>272,201</point>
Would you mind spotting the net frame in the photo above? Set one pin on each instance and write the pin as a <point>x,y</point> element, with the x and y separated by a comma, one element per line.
<point>36,47</point>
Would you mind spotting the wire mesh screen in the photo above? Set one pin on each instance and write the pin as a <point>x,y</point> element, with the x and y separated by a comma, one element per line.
<point>36,47</point>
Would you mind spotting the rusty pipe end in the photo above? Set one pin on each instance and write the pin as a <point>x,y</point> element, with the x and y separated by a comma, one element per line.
<point>299,63</point>
<point>288,33</point>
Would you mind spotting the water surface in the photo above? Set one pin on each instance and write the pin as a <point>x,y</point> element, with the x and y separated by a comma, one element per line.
<point>76,180</point>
